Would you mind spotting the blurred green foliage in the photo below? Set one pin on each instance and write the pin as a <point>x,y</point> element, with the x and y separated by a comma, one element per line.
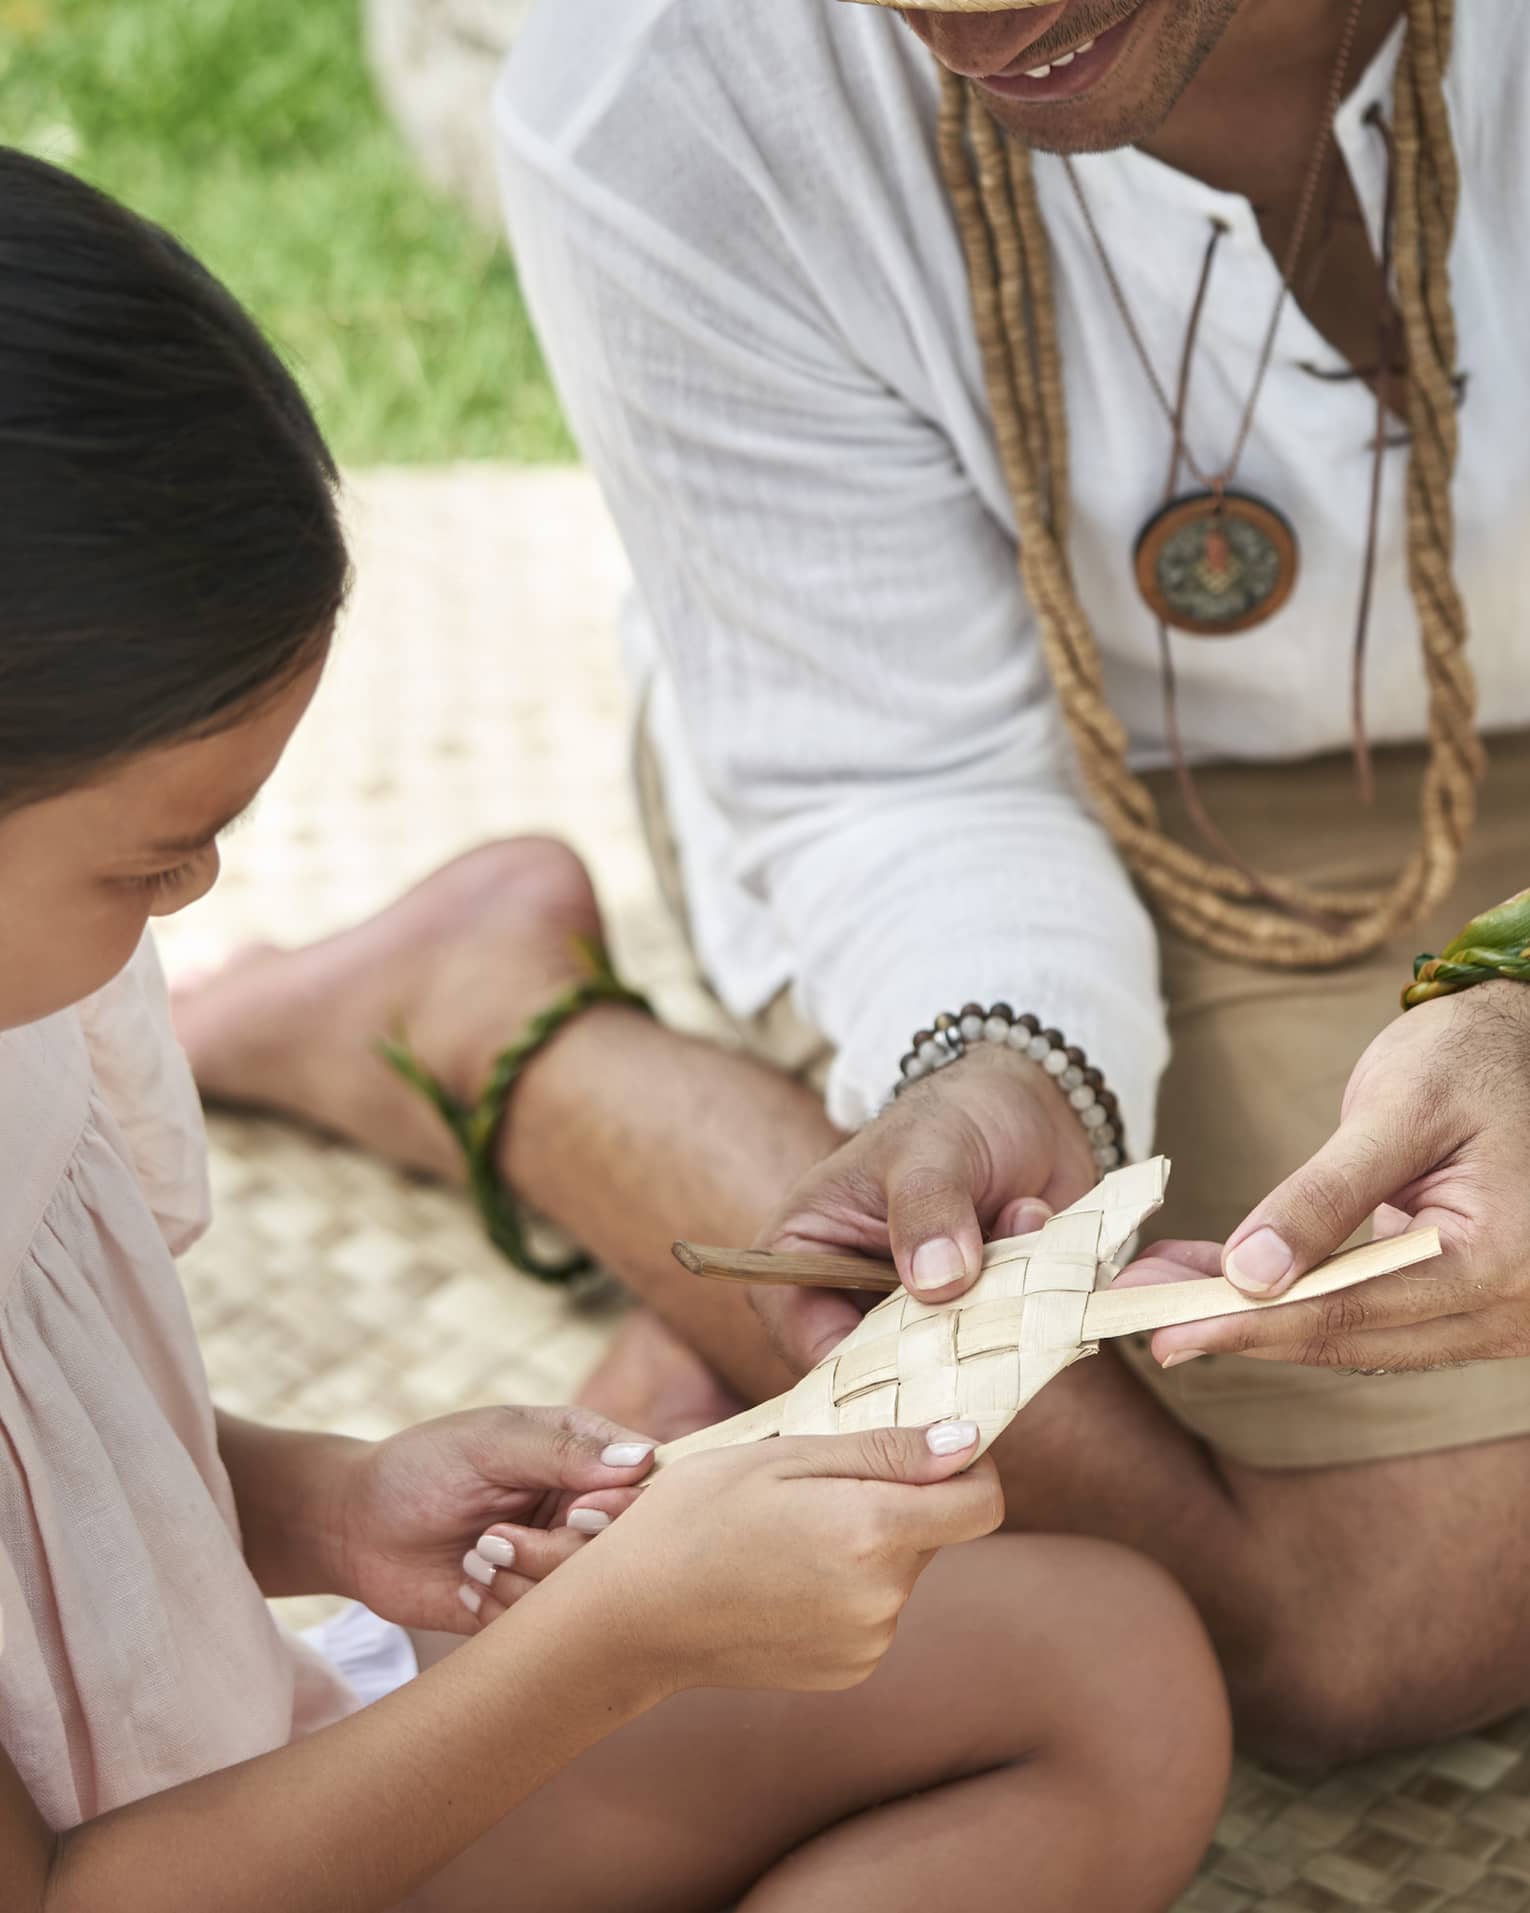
<point>251,129</point>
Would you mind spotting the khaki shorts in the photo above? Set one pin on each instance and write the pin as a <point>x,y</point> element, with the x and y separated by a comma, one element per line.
<point>1260,1060</point>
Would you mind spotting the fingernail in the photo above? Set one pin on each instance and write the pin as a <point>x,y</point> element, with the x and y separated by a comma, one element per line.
<point>470,1598</point>
<point>477,1569</point>
<point>1031,1214</point>
<point>937,1264</point>
<point>627,1454</point>
<point>1260,1263</point>
<point>1180,1356</point>
<point>497,1550</point>
<point>589,1521</point>
<point>951,1437</point>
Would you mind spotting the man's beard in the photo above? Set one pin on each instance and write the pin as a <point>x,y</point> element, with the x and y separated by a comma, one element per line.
<point>1179,41</point>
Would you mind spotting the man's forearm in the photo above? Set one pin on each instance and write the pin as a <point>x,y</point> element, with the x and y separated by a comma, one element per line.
<point>289,1488</point>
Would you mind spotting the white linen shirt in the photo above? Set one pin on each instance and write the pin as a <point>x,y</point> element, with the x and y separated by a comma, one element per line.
<point>732,229</point>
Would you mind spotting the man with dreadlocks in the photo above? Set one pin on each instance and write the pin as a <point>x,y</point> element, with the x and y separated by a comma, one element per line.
<point>1075,462</point>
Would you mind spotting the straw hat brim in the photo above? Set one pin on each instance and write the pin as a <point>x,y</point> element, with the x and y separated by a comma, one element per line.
<point>961,6</point>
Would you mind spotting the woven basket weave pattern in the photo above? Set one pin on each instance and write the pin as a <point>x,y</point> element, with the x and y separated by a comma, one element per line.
<point>908,1363</point>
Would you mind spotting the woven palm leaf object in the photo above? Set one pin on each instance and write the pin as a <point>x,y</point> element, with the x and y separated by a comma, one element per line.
<point>1042,1302</point>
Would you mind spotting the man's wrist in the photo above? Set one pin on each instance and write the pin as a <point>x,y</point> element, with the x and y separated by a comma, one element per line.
<point>1017,1118</point>
<point>1022,1108</point>
<point>1090,1103</point>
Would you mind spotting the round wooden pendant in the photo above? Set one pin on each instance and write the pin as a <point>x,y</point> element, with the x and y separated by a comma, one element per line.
<point>1216,564</point>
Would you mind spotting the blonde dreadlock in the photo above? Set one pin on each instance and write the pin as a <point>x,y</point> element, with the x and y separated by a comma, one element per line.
<point>1219,906</point>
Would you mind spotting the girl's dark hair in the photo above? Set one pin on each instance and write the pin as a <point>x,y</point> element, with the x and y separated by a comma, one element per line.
<point>170,547</point>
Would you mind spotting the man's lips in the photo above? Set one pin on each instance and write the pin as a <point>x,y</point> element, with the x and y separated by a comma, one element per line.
<point>1069,68</point>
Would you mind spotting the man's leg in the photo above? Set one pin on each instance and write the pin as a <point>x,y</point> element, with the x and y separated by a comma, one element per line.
<point>1353,1608</point>
<point>623,1132</point>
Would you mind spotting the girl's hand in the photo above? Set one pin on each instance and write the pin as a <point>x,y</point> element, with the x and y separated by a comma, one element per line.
<point>1432,1132</point>
<point>987,1147</point>
<point>411,1510</point>
<point>785,1564</point>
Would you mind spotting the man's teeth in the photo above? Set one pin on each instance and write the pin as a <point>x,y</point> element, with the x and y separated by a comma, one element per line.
<point>1063,59</point>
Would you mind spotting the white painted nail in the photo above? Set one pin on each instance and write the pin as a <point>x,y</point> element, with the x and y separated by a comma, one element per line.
<point>626,1454</point>
<point>951,1437</point>
<point>589,1521</point>
<point>477,1569</point>
<point>471,1599</point>
<point>495,1548</point>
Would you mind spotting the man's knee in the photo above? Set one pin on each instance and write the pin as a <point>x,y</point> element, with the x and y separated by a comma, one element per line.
<point>1306,1705</point>
<point>1340,1681</point>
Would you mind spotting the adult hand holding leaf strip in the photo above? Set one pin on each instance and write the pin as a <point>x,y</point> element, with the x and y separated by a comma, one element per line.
<point>1042,1301</point>
<point>1432,1132</point>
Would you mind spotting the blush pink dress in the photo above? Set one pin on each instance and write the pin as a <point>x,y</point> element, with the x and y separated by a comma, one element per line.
<point>136,1651</point>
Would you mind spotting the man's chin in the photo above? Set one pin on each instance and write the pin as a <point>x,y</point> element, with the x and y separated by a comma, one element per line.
<point>1083,126</point>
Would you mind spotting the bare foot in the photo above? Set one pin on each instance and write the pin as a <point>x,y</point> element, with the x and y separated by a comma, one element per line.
<point>458,964</point>
<point>655,1383</point>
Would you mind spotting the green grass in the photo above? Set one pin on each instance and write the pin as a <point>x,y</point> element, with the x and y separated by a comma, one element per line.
<point>250,128</point>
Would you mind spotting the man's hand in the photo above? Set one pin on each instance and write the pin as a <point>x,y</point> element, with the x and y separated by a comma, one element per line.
<point>988,1147</point>
<point>412,1508</point>
<point>1432,1132</point>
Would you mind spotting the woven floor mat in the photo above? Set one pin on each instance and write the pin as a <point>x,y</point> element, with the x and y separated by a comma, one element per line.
<point>476,692</point>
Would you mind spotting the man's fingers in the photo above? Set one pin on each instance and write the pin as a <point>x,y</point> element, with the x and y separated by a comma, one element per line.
<point>1022,1217</point>
<point>1368,1159</point>
<point>804,1325</point>
<point>1389,1222</point>
<point>1450,1341</point>
<point>1326,1328</point>
<point>932,1224</point>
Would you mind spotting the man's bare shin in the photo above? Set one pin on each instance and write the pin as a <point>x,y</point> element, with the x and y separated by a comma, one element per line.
<point>629,1135</point>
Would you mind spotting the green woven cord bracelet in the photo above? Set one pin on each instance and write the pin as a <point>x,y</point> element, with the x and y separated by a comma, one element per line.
<point>478,1126</point>
<point>1496,944</point>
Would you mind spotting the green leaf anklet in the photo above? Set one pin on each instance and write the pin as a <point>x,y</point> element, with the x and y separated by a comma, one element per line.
<point>478,1126</point>
<point>1496,944</point>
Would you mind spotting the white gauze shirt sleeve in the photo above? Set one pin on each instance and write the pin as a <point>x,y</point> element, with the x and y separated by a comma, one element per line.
<point>755,375</point>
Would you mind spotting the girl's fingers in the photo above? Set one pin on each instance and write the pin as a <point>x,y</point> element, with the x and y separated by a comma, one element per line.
<point>508,1548</point>
<point>608,1502</point>
<point>570,1448</point>
<point>508,1561</point>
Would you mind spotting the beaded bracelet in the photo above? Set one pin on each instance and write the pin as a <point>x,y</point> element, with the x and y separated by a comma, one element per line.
<point>1094,1105</point>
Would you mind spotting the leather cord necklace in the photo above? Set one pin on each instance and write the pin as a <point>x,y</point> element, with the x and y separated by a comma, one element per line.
<point>1207,899</point>
<point>1219,561</point>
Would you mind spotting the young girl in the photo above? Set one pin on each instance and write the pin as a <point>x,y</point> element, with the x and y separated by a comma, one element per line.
<point>642,1721</point>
